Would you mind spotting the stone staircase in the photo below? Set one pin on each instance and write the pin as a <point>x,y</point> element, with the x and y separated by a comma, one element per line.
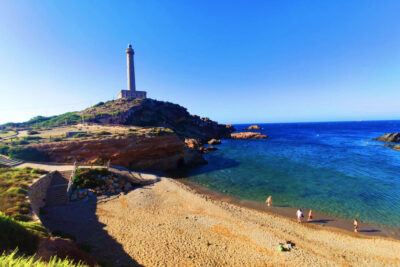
<point>57,190</point>
<point>9,162</point>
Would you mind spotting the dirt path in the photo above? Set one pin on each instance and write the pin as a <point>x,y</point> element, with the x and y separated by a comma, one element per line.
<point>167,224</point>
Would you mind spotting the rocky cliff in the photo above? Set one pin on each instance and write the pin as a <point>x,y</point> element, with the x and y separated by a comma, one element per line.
<point>389,138</point>
<point>160,153</point>
<point>154,113</point>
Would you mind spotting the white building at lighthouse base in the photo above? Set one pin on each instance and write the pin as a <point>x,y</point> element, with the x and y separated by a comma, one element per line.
<point>132,94</point>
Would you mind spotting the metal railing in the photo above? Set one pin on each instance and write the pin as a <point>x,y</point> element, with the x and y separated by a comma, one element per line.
<point>71,181</point>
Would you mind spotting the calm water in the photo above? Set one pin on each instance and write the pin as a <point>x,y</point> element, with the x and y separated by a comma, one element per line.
<point>334,168</point>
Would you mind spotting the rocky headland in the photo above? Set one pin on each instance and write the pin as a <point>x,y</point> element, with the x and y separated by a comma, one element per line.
<point>248,135</point>
<point>389,138</point>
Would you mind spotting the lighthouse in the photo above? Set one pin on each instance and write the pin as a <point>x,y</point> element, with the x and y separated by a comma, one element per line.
<point>131,82</point>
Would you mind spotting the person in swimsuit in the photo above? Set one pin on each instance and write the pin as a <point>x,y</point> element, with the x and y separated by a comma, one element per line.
<point>299,215</point>
<point>269,201</point>
<point>355,225</point>
<point>309,216</point>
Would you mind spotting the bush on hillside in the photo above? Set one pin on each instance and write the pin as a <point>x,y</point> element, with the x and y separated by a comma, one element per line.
<point>33,132</point>
<point>28,153</point>
<point>101,133</point>
<point>79,135</point>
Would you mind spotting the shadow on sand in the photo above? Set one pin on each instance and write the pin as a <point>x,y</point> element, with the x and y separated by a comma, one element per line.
<point>369,231</point>
<point>321,221</point>
<point>80,220</point>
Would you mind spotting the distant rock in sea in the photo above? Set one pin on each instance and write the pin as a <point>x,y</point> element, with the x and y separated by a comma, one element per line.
<point>248,135</point>
<point>253,127</point>
<point>389,138</point>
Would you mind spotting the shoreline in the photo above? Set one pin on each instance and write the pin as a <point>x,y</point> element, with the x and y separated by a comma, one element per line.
<point>320,219</point>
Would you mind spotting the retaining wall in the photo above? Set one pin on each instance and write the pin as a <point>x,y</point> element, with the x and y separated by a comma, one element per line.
<point>37,193</point>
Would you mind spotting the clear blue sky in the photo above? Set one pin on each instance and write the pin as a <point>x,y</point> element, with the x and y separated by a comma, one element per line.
<point>232,61</point>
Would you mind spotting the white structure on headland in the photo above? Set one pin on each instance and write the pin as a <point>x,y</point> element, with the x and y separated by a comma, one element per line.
<point>131,92</point>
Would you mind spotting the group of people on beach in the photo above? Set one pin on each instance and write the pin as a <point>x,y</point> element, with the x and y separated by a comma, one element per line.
<point>300,215</point>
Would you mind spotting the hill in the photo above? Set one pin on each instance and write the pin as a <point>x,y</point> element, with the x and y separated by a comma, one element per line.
<point>138,112</point>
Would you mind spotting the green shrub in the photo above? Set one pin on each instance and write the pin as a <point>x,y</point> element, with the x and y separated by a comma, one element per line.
<point>79,135</point>
<point>4,149</point>
<point>102,133</point>
<point>33,132</point>
<point>89,178</point>
<point>161,131</point>
<point>28,153</point>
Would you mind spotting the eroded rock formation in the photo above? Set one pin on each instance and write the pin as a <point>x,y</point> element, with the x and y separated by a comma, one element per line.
<point>248,135</point>
<point>161,153</point>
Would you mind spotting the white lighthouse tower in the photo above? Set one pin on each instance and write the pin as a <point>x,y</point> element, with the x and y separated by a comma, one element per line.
<point>131,92</point>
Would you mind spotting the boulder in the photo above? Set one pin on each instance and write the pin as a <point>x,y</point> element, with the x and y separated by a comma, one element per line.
<point>248,135</point>
<point>253,127</point>
<point>214,142</point>
<point>63,248</point>
<point>208,149</point>
<point>192,143</point>
<point>389,138</point>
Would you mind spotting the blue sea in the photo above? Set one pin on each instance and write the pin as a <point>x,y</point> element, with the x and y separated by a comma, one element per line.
<point>334,168</point>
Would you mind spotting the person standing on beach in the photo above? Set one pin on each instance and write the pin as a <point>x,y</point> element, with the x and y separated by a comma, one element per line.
<point>309,216</point>
<point>299,215</point>
<point>269,201</point>
<point>355,225</point>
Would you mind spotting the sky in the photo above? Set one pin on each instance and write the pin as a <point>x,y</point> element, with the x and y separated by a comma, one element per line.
<point>231,61</point>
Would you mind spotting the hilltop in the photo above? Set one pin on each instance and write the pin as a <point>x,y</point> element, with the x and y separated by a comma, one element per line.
<point>138,112</point>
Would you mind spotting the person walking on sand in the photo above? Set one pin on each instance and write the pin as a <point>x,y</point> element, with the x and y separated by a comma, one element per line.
<point>299,215</point>
<point>269,201</point>
<point>309,216</point>
<point>355,225</point>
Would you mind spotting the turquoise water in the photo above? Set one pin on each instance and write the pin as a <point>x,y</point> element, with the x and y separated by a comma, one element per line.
<point>334,168</point>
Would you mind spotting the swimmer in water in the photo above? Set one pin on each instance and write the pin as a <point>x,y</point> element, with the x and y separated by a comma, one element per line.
<point>269,201</point>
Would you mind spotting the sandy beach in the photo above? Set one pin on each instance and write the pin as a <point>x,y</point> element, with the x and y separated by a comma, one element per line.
<point>167,224</point>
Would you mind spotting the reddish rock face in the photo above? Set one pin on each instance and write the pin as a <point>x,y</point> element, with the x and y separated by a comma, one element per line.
<point>63,248</point>
<point>161,153</point>
<point>248,135</point>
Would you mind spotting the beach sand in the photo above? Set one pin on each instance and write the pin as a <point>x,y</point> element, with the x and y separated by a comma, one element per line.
<point>168,224</point>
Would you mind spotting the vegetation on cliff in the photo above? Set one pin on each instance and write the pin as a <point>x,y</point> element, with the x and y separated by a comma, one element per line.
<point>14,184</point>
<point>16,225</point>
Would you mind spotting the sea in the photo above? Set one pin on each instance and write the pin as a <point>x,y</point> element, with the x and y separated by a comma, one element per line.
<point>335,168</point>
